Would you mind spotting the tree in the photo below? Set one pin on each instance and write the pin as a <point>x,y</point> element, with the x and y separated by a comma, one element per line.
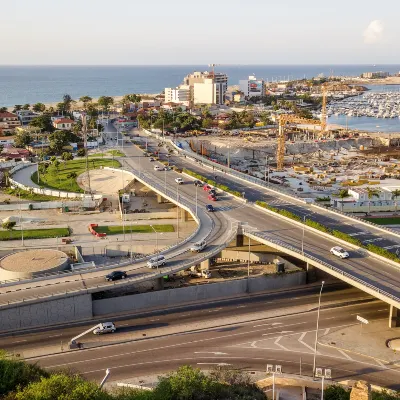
<point>17,107</point>
<point>39,107</point>
<point>3,109</point>
<point>85,100</point>
<point>81,152</point>
<point>9,226</point>
<point>105,102</point>
<point>66,156</point>
<point>43,122</point>
<point>60,387</point>
<point>342,195</point>
<point>371,192</point>
<point>336,392</point>
<point>385,395</point>
<point>395,195</point>
<point>60,107</point>
<point>26,106</point>
<point>22,139</point>
<point>67,101</point>
<point>59,139</point>
<point>207,123</point>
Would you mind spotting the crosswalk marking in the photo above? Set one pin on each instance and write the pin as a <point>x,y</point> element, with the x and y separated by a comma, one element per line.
<point>300,340</point>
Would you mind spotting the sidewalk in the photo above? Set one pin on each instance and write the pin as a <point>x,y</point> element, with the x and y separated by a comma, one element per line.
<point>367,340</point>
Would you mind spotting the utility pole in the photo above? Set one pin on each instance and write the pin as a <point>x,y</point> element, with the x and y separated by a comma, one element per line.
<point>316,332</point>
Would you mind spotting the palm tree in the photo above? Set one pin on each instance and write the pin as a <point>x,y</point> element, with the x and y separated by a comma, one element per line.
<point>395,195</point>
<point>342,195</point>
<point>85,100</point>
<point>72,176</point>
<point>371,194</point>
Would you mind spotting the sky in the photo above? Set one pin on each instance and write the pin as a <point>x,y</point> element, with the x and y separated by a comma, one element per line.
<point>137,32</point>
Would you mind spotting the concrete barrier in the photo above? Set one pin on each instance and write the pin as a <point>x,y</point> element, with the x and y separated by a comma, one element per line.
<point>197,293</point>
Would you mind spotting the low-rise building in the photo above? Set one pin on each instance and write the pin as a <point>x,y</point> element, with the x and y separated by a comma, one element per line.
<point>375,75</point>
<point>8,122</point>
<point>7,140</point>
<point>252,87</point>
<point>64,124</point>
<point>26,116</point>
<point>180,95</point>
<point>14,153</point>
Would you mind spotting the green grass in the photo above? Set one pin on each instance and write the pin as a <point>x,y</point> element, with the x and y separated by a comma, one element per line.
<point>115,153</point>
<point>118,229</point>
<point>34,233</point>
<point>385,221</point>
<point>29,196</point>
<point>59,180</point>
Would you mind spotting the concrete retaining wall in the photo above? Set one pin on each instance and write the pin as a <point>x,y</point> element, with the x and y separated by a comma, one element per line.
<point>48,205</point>
<point>46,313</point>
<point>196,293</point>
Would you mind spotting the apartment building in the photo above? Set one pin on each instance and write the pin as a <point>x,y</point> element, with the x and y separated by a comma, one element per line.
<point>26,116</point>
<point>180,95</point>
<point>252,87</point>
<point>207,87</point>
<point>8,122</point>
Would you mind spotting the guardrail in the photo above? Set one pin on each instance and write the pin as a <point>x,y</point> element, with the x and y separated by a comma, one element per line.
<point>258,235</point>
<point>263,184</point>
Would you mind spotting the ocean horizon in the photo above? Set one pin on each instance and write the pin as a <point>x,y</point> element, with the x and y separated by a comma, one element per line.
<point>21,84</point>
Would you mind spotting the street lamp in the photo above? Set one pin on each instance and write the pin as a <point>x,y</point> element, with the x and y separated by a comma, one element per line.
<point>177,209</point>
<point>266,169</point>
<point>316,332</point>
<point>152,227</point>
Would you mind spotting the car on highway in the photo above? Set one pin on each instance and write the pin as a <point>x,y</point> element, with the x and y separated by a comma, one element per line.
<point>210,208</point>
<point>339,252</point>
<point>212,197</point>
<point>198,183</point>
<point>104,327</point>
<point>213,192</point>
<point>157,261</point>
<point>199,246</point>
<point>179,181</point>
<point>207,187</point>
<point>158,168</point>
<point>116,275</point>
<point>152,159</point>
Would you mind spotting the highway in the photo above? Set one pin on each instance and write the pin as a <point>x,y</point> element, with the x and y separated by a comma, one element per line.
<point>258,333</point>
<point>359,265</point>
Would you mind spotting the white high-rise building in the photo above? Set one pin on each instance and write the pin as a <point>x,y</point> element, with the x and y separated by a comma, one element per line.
<point>252,87</point>
<point>180,95</point>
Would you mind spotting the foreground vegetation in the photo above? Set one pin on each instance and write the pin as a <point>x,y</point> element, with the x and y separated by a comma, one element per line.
<point>129,227</point>
<point>62,176</point>
<point>385,221</point>
<point>34,233</point>
<point>29,195</point>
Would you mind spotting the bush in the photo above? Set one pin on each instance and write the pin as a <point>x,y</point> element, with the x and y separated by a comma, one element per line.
<point>382,252</point>
<point>81,152</point>
<point>317,225</point>
<point>327,198</point>
<point>347,238</point>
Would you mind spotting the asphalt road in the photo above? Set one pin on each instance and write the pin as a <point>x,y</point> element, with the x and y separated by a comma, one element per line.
<point>250,343</point>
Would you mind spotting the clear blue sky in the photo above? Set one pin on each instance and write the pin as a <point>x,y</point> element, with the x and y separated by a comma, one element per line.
<point>198,32</point>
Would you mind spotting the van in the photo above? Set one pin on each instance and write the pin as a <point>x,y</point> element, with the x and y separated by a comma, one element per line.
<point>156,261</point>
<point>197,247</point>
<point>104,327</point>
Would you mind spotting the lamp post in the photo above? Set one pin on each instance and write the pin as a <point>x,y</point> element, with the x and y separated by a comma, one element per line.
<point>266,179</point>
<point>152,227</point>
<point>304,229</point>
<point>316,332</point>
<point>177,209</point>
<point>196,198</point>
<point>20,219</point>
<point>123,222</point>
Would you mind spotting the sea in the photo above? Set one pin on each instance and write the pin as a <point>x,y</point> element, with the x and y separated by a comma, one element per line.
<point>47,84</point>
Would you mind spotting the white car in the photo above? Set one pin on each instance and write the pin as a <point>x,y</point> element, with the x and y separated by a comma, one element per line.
<point>104,327</point>
<point>179,181</point>
<point>197,247</point>
<point>339,252</point>
<point>158,168</point>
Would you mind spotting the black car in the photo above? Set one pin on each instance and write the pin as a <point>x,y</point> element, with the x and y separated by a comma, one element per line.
<point>198,183</point>
<point>213,192</point>
<point>116,275</point>
<point>210,208</point>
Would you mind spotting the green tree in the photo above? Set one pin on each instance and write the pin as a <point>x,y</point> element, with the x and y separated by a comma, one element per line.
<point>62,387</point>
<point>3,109</point>
<point>39,107</point>
<point>105,102</point>
<point>342,195</point>
<point>17,107</point>
<point>85,100</point>
<point>26,106</point>
<point>22,139</point>
<point>207,123</point>
<point>59,139</point>
<point>9,226</point>
<point>15,373</point>
<point>60,107</point>
<point>81,152</point>
<point>385,395</point>
<point>336,392</point>
<point>371,192</point>
<point>67,101</point>
<point>395,195</point>
<point>43,122</point>
<point>66,156</point>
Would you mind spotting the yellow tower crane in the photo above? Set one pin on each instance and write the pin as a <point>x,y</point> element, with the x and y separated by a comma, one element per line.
<point>285,119</point>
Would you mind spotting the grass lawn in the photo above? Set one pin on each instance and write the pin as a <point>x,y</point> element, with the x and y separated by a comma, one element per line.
<point>34,233</point>
<point>385,221</point>
<point>29,196</point>
<point>118,229</point>
<point>115,153</point>
<point>59,180</point>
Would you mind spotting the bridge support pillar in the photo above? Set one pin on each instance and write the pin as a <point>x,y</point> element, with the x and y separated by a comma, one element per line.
<point>239,240</point>
<point>184,215</point>
<point>311,273</point>
<point>205,265</point>
<point>394,317</point>
<point>160,199</point>
<point>159,284</point>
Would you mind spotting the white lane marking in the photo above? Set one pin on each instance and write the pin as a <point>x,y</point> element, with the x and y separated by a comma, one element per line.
<point>240,306</point>
<point>392,247</point>
<point>380,363</point>
<point>219,364</point>
<point>123,324</point>
<point>345,354</point>
<point>60,334</point>
<point>273,324</point>
<point>279,345</point>
<point>154,320</point>
<point>357,233</point>
<point>300,340</point>
<point>217,353</point>
<point>20,341</point>
<point>384,309</point>
<point>373,240</point>
<point>185,315</point>
<point>327,331</point>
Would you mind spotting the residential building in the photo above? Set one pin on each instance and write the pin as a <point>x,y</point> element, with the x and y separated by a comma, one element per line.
<point>12,152</point>
<point>8,122</point>
<point>375,75</point>
<point>207,87</point>
<point>26,116</point>
<point>252,87</point>
<point>64,124</point>
<point>7,140</point>
<point>180,95</point>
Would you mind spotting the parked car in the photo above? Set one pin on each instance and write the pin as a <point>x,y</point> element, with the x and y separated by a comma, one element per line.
<point>157,261</point>
<point>212,197</point>
<point>179,181</point>
<point>198,183</point>
<point>201,274</point>
<point>213,192</point>
<point>105,327</point>
<point>152,159</point>
<point>339,252</point>
<point>199,246</point>
<point>210,208</point>
<point>116,275</point>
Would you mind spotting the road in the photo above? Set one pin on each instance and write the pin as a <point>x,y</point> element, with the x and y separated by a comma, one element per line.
<point>251,342</point>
